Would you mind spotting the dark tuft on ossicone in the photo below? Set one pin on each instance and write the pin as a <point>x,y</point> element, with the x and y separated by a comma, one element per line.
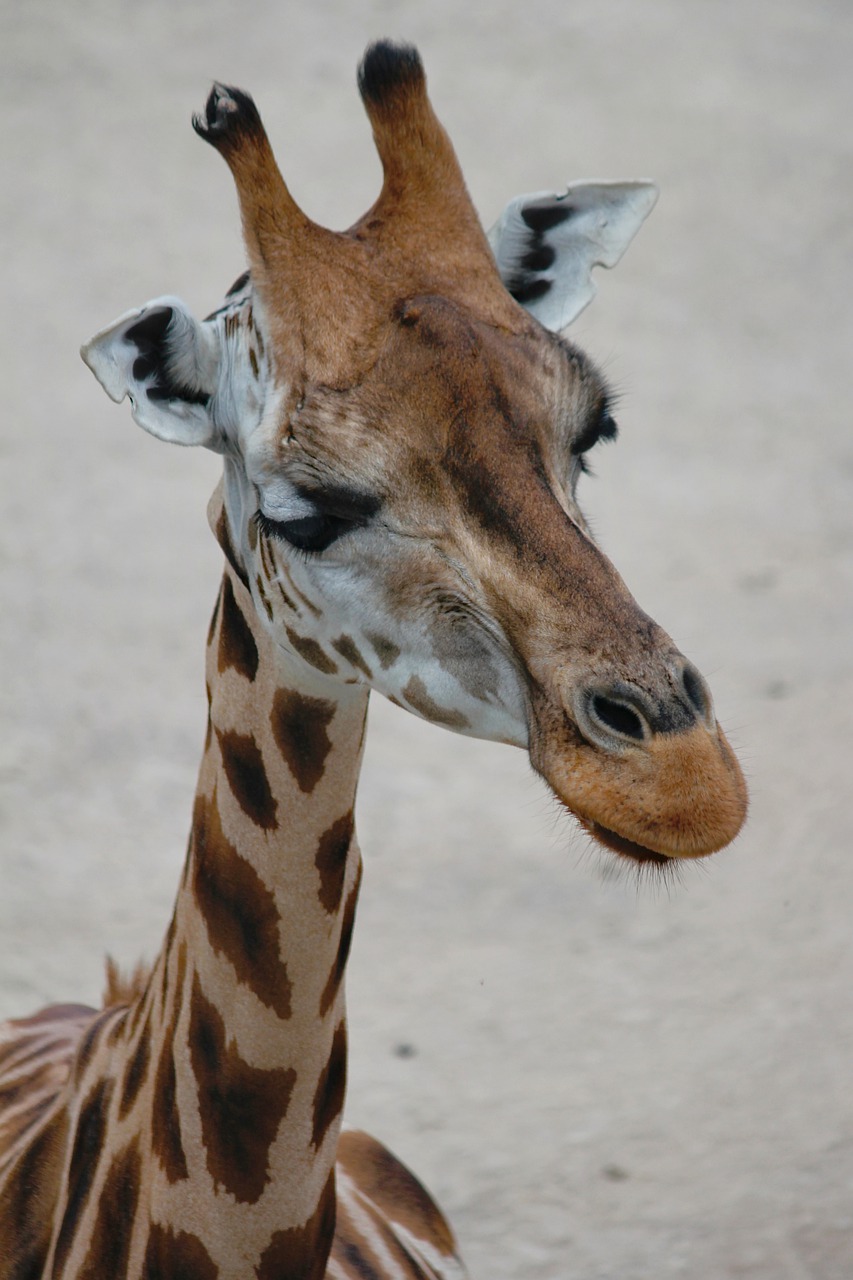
<point>387,68</point>
<point>229,115</point>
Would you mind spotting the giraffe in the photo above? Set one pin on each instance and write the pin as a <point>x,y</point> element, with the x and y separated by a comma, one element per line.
<point>402,425</point>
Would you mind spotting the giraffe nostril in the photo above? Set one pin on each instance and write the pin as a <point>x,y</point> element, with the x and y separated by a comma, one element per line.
<point>617,716</point>
<point>697,692</point>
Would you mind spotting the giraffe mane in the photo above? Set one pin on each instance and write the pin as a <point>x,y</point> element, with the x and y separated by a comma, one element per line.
<point>122,988</point>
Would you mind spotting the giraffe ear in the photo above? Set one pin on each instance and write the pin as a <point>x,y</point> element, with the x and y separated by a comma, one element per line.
<point>167,363</point>
<point>546,245</point>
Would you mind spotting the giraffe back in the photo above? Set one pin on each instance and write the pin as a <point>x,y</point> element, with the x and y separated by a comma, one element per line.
<point>36,1057</point>
<point>36,1054</point>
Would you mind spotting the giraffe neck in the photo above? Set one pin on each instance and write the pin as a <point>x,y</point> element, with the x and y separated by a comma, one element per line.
<point>222,1087</point>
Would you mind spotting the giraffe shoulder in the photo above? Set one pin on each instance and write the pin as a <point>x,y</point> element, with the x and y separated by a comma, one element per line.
<point>387,1222</point>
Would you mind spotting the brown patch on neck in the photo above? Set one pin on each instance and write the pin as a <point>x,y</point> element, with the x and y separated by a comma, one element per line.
<point>176,1255</point>
<point>247,777</point>
<point>303,1251</point>
<point>333,984</point>
<point>223,537</point>
<point>237,645</point>
<point>166,1141</point>
<point>300,728</point>
<point>331,861</point>
<point>331,1087</point>
<point>239,911</point>
<point>241,1107</point>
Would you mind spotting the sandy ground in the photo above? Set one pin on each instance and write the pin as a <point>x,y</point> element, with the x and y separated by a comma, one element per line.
<point>596,1082</point>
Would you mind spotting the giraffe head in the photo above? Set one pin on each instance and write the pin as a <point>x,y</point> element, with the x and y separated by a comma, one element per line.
<point>403,428</point>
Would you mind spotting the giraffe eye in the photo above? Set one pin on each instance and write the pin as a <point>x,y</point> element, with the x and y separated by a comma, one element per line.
<point>306,533</point>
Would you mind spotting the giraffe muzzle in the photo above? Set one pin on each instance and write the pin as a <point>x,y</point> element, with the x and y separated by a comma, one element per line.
<point>651,776</point>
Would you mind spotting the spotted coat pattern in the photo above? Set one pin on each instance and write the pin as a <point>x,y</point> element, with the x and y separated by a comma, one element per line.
<point>401,445</point>
<point>164,1137</point>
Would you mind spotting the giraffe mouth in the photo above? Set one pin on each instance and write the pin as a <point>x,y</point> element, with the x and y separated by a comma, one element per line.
<point>626,848</point>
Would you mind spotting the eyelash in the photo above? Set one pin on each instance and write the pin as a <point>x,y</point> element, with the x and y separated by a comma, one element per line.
<point>307,534</point>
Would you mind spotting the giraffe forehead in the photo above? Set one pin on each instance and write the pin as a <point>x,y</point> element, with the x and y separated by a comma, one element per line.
<point>442,380</point>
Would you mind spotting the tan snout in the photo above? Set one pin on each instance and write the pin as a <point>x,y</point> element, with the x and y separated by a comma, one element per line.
<point>647,783</point>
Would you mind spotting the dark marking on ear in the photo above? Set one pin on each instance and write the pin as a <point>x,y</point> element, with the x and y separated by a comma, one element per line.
<point>543,215</point>
<point>241,1107</point>
<point>417,696</point>
<point>247,778</point>
<point>539,257</point>
<point>85,1153</point>
<point>331,1087</point>
<point>526,288</point>
<point>311,652</point>
<point>333,984</point>
<point>28,1205</point>
<point>136,1071</point>
<point>149,337</point>
<point>525,280</point>
<point>388,68</point>
<point>166,1142</point>
<point>331,861</point>
<point>223,537</point>
<point>239,910</point>
<point>148,332</point>
<point>237,647</point>
<point>302,1251</point>
<point>176,1255</point>
<point>299,726</point>
<point>109,1247</point>
<point>345,646</point>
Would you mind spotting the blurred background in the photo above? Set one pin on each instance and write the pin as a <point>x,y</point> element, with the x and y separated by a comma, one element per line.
<point>595,1078</point>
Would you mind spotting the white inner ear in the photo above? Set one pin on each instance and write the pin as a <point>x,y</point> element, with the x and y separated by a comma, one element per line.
<point>167,363</point>
<point>546,244</point>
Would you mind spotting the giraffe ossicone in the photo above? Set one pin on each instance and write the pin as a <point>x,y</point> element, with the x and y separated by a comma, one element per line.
<point>403,426</point>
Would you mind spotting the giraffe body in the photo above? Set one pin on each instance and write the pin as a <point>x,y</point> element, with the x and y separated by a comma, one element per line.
<point>401,443</point>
